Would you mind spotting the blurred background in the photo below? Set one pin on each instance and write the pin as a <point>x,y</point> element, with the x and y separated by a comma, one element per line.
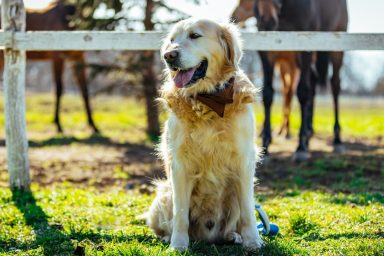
<point>363,72</point>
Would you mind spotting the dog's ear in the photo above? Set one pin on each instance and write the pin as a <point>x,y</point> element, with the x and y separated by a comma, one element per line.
<point>231,43</point>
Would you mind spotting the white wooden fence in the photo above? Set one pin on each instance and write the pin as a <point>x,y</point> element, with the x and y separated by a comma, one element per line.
<point>15,41</point>
<point>263,41</point>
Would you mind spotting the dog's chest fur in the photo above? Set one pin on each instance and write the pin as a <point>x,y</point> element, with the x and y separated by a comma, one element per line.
<point>213,150</point>
<point>209,150</point>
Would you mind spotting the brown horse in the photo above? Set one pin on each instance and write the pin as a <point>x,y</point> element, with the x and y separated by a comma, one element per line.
<point>285,62</point>
<point>56,17</point>
<point>303,15</point>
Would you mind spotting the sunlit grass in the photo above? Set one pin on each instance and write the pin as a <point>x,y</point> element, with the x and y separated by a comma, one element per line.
<point>63,220</point>
<point>125,118</point>
<point>359,117</point>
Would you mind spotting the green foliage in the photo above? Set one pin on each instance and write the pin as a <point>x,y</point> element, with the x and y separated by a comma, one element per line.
<point>85,10</point>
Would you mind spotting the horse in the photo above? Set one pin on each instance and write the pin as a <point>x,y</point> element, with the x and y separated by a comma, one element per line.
<point>302,15</point>
<point>52,18</point>
<point>285,62</point>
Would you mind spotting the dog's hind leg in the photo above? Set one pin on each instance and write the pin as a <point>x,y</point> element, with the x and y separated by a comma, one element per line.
<point>159,216</point>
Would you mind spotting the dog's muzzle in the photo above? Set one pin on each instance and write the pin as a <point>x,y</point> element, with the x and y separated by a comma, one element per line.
<point>171,57</point>
<point>186,77</point>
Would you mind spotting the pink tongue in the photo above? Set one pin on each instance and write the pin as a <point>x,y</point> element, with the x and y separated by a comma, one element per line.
<point>182,77</point>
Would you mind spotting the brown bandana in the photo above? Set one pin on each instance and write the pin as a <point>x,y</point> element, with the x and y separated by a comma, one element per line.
<point>218,99</point>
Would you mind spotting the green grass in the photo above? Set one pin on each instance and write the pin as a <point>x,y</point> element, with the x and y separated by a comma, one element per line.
<point>117,115</point>
<point>358,117</point>
<point>331,205</point>
<point>60,221</point>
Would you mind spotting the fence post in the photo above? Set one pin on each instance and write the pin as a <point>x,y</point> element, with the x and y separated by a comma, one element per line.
<point>13,20</point>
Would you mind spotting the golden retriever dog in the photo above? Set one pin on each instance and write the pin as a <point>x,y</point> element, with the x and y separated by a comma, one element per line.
<point>208,141</point>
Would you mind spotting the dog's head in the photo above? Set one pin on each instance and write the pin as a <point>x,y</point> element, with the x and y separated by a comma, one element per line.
<point>201,50</point>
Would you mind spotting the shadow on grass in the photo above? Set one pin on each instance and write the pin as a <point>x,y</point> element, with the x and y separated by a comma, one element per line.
<point>141,152</point>
<point>133,152</point>
<point>49,237</point>
<point>347,235</point>
<point>358,199</point>
<point>348,173</point>
<point>62,140</point>
<point>351,235</point>
<point>94,139</point>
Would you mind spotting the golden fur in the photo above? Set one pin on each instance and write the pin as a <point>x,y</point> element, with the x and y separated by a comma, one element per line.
<point>209,161</point>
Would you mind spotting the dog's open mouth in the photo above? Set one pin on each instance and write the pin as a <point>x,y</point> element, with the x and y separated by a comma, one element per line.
<point>185,78</point>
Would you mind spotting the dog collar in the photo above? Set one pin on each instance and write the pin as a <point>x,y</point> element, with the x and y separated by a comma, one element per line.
<point>219,98</point>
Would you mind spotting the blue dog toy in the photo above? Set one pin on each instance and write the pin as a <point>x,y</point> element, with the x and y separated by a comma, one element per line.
<point>265,227</point>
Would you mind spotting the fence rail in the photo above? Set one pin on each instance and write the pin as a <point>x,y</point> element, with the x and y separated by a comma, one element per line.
<point>267,41</point>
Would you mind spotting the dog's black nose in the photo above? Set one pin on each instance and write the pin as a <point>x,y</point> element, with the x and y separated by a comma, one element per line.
<point>171,56</point>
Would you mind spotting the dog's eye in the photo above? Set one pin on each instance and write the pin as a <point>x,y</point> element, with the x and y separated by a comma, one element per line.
<point>194,35</point>
<point>172,40</point>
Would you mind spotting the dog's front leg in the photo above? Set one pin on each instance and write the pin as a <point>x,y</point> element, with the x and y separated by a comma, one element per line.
<point>182,189</point>
<point>248,231</point>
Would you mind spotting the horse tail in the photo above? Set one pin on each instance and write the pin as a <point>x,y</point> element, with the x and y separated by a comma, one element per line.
<point>322,63</point>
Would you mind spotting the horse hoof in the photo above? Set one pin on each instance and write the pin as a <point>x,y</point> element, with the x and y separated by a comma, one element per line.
<point>96,130</point>
<point>338,149</point>
<point>300,156</point>
<point>265,160</point>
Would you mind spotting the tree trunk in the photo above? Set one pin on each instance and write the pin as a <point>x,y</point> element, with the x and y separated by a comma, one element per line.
<point>150,81</point>
<point>150,92</point>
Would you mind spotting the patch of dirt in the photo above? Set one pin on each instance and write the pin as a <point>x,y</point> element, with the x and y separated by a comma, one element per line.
<point>359,168</point>
<point>106,163</point>
<point>102,165</point>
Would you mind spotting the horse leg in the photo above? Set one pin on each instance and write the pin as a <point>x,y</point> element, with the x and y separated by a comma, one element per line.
<point>58,66</point>
<point>267,99</point>
<point>287,77</point>
<point>303,93</point>
<point>293,87</point>
<point>311,103</point>
<point>337,61</point>
<point>295,73</point>
<point>79,70</point>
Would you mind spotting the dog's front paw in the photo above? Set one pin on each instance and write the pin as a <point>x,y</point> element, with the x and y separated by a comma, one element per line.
<point>252,240</point>
<point>179,241</point>
<point>165,239</point>
<point>234,237</point>
<point>254,244</point>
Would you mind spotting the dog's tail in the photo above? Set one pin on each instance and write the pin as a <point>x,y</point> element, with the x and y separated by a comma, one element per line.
<point>264,218</point>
